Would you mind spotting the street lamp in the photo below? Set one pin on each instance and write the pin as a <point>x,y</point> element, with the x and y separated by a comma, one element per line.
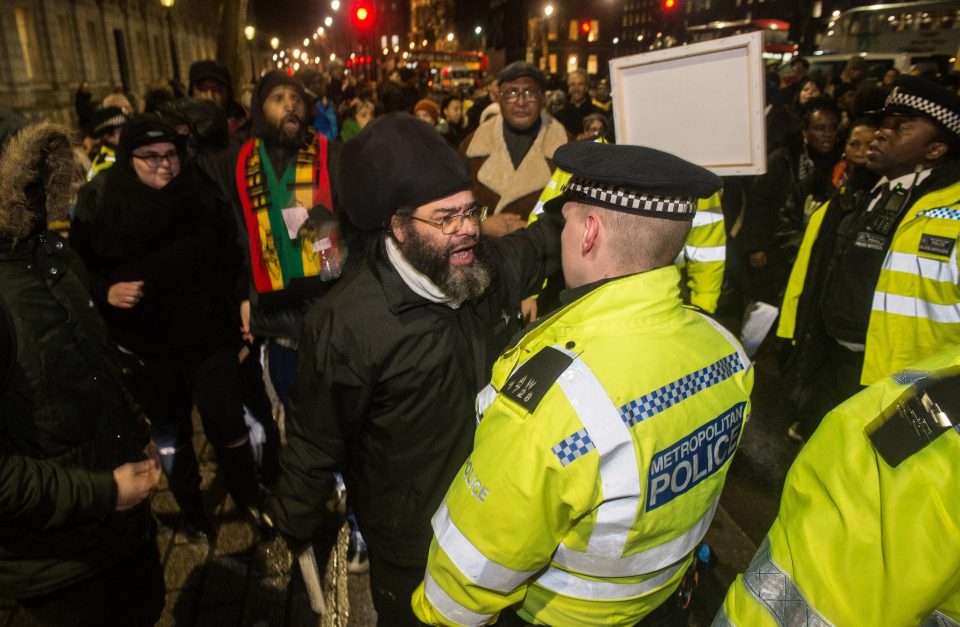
<point>335,5</point>
<point>548,10</point>
<point>168,4</point>
<point>274,43</point>
<point>250,32</point>
<point>328,21</point>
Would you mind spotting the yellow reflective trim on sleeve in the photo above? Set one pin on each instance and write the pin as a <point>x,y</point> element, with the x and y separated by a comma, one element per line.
<point>569,584</point>
<point>447,607</point>
<point>471,563</point>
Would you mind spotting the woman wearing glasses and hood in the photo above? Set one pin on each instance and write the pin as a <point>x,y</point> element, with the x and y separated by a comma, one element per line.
<point>164,265</point>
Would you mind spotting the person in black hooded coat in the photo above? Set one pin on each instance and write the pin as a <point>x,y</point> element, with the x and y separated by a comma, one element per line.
<point>163,261</point>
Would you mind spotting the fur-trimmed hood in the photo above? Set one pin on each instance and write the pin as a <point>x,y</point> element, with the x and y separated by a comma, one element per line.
<point>38,179</point>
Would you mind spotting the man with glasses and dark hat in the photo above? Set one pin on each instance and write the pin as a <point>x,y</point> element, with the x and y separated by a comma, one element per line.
<point>606,431</point>
<point>511,155</point>
<point>876,288</point>
<point>392,358</point>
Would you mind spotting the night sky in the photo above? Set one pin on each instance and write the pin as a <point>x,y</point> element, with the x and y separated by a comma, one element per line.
<point>290,20</point>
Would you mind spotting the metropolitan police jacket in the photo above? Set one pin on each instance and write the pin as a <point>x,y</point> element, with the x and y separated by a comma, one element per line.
<point>385,394</point>
<point>605,437</point>
<point>859,541</point>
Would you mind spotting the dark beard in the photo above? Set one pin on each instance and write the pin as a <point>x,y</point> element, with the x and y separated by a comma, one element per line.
<point>459,283</point>
<point>279,137</point>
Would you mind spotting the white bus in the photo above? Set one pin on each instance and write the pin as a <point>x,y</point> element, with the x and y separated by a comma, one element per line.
<point>928,28</point>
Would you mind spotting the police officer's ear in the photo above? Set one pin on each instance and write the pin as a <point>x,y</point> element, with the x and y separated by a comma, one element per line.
<point>936,150</point>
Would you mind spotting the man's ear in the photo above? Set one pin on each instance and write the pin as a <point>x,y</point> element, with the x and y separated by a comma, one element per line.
<point>591,233</point>
<point>936,150</point>
<point>396,228</point>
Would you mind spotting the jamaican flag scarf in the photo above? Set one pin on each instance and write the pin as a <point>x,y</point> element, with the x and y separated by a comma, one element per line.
<point>311,187</point>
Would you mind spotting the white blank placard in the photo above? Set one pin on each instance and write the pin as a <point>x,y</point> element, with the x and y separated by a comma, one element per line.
<point>703,102</point>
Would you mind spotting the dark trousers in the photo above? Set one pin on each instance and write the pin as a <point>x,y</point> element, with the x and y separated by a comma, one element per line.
<point>836,380</point>
<point>167,392</point>
<point>129,594</point>
<point>391,587</point>
<point>282,363</point>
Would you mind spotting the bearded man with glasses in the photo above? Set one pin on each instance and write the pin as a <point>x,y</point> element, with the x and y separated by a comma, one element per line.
<point>391,359</point>
<point>511,155</point>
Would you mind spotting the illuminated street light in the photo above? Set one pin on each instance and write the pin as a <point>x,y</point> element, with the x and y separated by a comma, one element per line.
<point>335,5</point>
<point>320,31</point>
<point>279,64</point>
<point>274,43</point>
<point>333,56</point>
<point>249,32</point>
<point>424,43</point>
<point>353,55</point>
<point>296,53</point>
<point>296,66</point>
<point>836,14</point>
<point>548,10</point>
<point>616,40</point>
<point>406,54</point>
<point>328,21</point>
<point>477,30</point>
<point>167,3</point>
<point>386,51</point>
<point>396,48</point>
<point>316,60</point>
<point>306,42</point>
<point>449,36</point>
<point>275,57</point>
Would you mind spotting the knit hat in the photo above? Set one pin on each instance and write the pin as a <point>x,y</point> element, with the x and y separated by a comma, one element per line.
<point>430,107</point>
<point>396,161</point>
<point>145,129</point>
<point>267,83</point>
<point>209,68</point>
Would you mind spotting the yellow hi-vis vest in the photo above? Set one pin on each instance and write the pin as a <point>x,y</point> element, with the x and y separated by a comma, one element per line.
<point>916,303</point>
<point>604,440</point>
<point>858,542</point>
<point>104,160</point>
<point>703,256</point>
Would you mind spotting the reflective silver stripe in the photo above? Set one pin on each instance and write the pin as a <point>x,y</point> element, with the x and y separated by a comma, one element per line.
<point>721,619</point>
<point>619,472</point>
<point>450,609</point>
<point>538,208</point>
<point>705,253</point>
<point>915,307</point>
<point>568,584</point>
<point>777,592</point>
<point>923,267</point>
<point>486,396</point>
<point>703,218</point>
<point>642,563</point>
<point>474,565</point>
<point>939,619</point>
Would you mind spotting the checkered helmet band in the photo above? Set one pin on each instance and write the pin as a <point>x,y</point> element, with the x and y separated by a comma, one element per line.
<point>622,197</point>
<point>949,119</point>
<point>113,122</point>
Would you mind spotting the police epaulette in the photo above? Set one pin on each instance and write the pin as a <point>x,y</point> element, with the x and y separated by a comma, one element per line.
<point>927,410</point>
<point>529,384</point>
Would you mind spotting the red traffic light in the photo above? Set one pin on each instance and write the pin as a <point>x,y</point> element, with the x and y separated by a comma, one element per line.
<point>669,5</point>
<point>363,14</point>
<point>585,24</point>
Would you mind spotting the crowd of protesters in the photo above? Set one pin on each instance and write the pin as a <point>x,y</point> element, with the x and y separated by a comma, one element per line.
<point>211,227</point>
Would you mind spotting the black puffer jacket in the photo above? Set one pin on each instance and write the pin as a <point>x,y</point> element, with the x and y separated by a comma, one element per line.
<point>65,419</point>
<point>386,392</point>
